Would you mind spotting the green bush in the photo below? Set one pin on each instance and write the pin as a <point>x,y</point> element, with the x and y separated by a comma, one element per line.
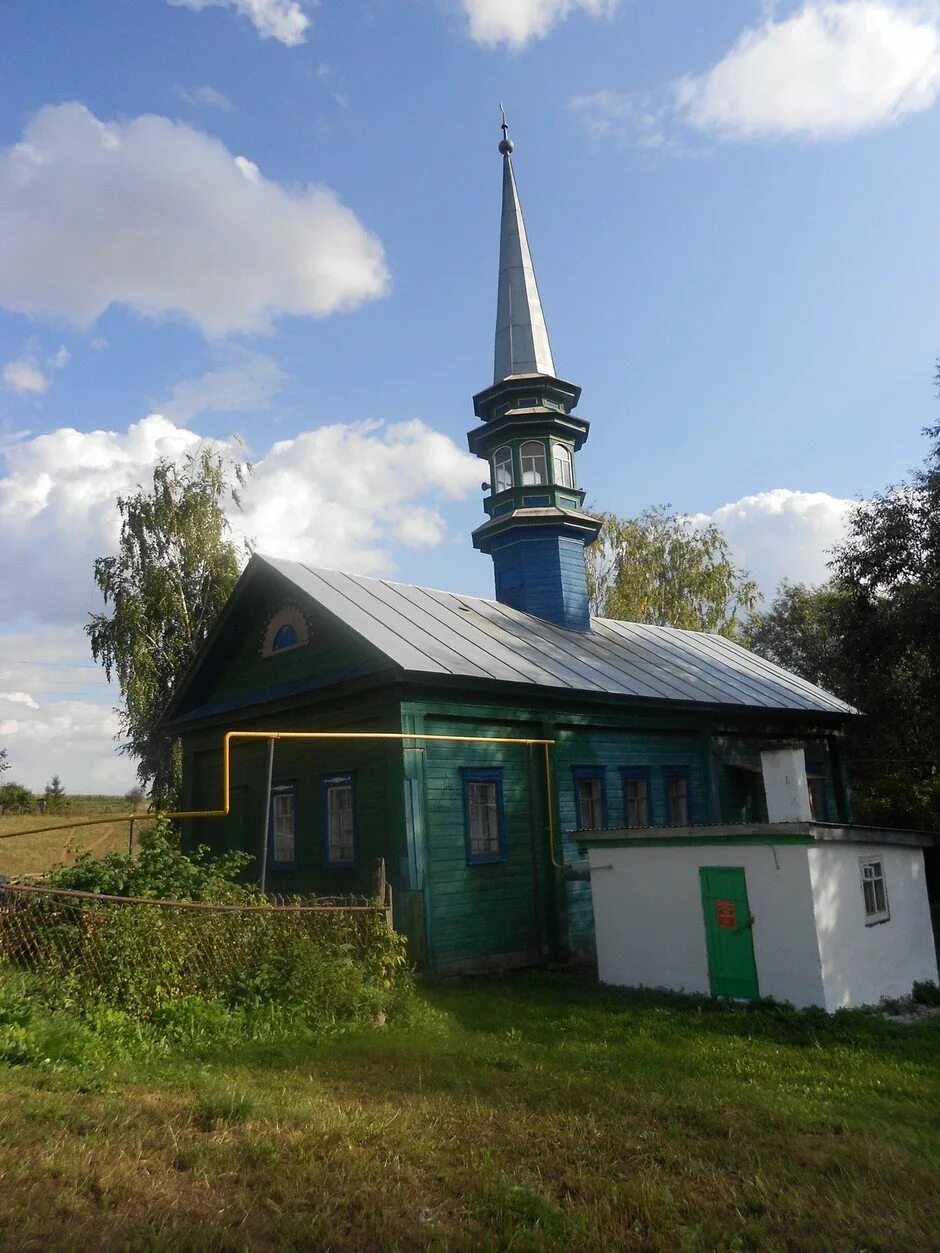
<point>159,870</point>
<point>186,970</point>
<point>16,799</point>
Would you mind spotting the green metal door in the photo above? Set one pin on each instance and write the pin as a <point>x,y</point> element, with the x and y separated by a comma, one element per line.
<point>731,968</point>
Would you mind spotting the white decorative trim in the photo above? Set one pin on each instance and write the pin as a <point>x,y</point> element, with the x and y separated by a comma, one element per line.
<point>286,615</point>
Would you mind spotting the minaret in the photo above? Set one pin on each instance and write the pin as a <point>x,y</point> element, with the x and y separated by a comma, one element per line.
<point>536,532</point>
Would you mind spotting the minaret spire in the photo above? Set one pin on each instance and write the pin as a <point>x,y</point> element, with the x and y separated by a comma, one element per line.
<point>536,531</point>
<point>522,345</point>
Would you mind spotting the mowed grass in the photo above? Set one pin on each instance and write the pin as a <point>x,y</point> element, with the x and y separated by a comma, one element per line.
<point>537,1112</point>
<point>36,853</point>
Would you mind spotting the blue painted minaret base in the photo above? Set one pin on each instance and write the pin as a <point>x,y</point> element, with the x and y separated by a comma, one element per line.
<point>542,574</point>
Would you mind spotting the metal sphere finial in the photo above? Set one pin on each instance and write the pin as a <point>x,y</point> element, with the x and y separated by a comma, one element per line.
<point>505,144</point>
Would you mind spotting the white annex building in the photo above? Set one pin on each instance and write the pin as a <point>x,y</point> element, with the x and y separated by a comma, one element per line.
<point>806,912</point>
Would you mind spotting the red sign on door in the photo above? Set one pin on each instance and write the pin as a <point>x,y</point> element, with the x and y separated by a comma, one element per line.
<point>725,913</point>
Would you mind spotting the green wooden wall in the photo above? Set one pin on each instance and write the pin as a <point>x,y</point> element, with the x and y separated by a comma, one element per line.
<point>377,774</point>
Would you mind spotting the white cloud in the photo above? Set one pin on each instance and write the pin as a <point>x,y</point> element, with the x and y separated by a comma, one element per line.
<point>833,69</point>
<point>25,376</point>
<point>155,215</point>
<point>19,698</point>
<point>283,20</point>
<point>607,113</point>
<point>782,534</point>
<point>516,22</point>
<point>206,97</point>
<point>245,385</point>
<point>65,724</point>
<point>341,495</point>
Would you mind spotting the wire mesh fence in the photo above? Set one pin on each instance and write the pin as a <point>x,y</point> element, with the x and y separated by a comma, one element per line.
<point>135,953</point>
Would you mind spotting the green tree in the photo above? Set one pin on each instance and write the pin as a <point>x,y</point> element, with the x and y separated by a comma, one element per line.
<point>16,799</point>
<point>55,796</point>
<point>665,569</point>
<point>802,631</point>
<point>872,636</point>
<point>175,567</point>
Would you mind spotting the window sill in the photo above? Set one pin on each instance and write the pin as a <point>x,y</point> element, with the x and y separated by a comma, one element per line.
<point>486,861</point>
<point>877,922</point>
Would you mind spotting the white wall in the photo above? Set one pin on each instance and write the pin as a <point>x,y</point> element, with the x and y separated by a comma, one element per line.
<point>785,785</point>
<point>863,963</point>
<point>651,930</point>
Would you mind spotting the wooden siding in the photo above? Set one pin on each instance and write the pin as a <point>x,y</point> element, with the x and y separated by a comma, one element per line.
<point>234,666</point>
<point>493,911</point>
<point>504,911</point>
<point>376,769</point>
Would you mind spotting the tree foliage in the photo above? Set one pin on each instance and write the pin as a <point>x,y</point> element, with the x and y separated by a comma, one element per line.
<point>4,764</point>
<point>55,796</point>
<point>872,635</point>
<point>175,567</point>
<point>667,570</point>
<point>16,799</point>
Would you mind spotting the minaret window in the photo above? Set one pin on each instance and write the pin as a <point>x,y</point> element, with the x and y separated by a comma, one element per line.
<point>502,469</point>
<point>534,468</point>
<point>564,472</point>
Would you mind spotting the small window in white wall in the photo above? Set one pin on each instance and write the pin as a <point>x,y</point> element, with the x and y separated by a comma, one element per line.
<point>874,891</point>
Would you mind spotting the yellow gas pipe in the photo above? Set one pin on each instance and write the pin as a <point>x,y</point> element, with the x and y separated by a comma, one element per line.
<point>320,735</point>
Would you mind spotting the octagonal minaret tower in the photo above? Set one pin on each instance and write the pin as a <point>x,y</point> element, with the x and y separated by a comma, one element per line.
<point>536,531</point>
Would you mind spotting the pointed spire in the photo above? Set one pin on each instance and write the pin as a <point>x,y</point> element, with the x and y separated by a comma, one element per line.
<point>522,345</point>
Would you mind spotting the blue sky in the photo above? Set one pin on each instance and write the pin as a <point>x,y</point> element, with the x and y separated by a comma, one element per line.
<point>732,212</point>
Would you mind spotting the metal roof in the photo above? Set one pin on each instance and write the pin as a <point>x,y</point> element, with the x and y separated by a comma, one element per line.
<point>440,633</point>
<point>522,345</point>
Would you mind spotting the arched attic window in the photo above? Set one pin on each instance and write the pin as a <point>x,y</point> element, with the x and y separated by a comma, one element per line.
<point>564,472</point>
<point>502,469</point>
<point>534,469</point>
<point>286,629</point>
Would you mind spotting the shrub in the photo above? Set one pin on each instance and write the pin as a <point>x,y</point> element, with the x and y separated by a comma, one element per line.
<point>158,870</point>
<point>16,799</point>
<point>183,970</point>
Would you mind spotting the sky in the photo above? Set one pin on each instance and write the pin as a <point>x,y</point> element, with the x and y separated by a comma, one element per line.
<point>276,221</point>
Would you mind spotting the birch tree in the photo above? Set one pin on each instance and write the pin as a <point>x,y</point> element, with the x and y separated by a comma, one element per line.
<point>667,570</point>
<point>175,567</point>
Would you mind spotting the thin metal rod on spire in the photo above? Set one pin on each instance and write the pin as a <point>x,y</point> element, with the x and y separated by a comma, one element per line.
<point>522,345</point>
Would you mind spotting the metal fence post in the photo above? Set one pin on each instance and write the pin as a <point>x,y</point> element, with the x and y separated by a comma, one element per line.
<point>266,825</point>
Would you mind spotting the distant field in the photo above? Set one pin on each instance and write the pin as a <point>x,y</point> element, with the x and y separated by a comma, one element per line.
<point>37,853</point>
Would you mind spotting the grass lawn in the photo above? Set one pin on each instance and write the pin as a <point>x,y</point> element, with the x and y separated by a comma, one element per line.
<point>37,853</point>
<point>533,1112</point>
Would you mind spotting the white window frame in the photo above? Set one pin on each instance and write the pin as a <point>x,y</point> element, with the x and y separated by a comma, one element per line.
<point>532,476</point>
<point>876,866</point>
<point>283,826</point>
<point>561,456</point>
<point>339,835</point>
<point>502,469</point>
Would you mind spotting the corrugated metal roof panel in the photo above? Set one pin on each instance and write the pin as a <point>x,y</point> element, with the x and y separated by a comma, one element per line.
<point>440,633</point>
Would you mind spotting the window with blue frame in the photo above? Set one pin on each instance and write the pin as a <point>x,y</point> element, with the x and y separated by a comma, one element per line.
<point>637,797</point>
<point>282,828</point>
<point>590,794</point>
<point>678,781</point>
<point>483,811</point>
<point>339,820</point>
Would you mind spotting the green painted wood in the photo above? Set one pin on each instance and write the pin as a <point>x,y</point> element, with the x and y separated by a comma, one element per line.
<point>410,799</point>
<point>729,940</point>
